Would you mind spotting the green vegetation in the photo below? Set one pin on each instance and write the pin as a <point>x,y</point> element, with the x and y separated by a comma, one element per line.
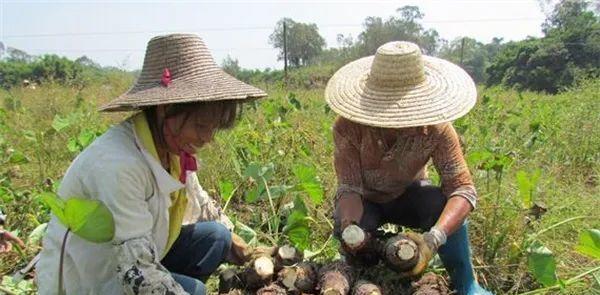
<point>534,155</point>
<point>534,158</point>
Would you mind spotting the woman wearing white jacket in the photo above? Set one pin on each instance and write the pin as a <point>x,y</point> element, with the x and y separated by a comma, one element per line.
<point>143,170</point>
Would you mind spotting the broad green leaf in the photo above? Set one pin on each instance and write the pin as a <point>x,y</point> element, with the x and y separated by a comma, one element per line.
<point>73,145</point>
<point>226,189</point>
<point>541,264</point>
<point>589,243</point>
<point>300,237</point>
<point>314,191</point>
<point>297,229</point>
<point>59,123</point>
<point>524,189</point>
<point>299,205</point>
<point>527,184</point>
<point>57,206</point>
<point>267,171</point>
<point>253,171</point>
<point>309,182</point>
<point>90,220</point>
<point>86,137</point>
<point>18,158</point>
<point>477,157</point>
<point>252,195</point>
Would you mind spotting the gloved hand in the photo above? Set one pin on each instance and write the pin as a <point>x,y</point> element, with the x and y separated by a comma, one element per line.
<point>428,244</point>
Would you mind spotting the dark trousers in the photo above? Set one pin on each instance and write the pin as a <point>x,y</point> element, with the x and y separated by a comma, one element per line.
<point>197,252</point>
<point>419,206</point>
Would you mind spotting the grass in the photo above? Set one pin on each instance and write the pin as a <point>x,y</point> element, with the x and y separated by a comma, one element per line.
<point>507,132</point>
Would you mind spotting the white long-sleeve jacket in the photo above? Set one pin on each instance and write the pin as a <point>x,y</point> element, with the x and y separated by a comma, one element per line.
<point>118,171</point>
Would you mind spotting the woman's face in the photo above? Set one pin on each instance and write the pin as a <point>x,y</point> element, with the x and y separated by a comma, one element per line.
<point>189,131</point>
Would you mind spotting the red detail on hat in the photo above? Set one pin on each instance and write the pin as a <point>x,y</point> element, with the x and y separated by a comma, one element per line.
<point>166,78</point>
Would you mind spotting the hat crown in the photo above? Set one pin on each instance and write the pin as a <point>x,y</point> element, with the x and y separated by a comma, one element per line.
<point>396,65</point>
<point>183,55</point>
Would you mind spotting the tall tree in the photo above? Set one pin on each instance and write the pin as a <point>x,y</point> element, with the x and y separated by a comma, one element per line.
<point>303,42</point>
<point>570,50</point>
<point>405,26</point>
<point>470,54</point>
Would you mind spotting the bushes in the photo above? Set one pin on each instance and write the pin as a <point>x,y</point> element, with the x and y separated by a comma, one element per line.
<point>49,68</point>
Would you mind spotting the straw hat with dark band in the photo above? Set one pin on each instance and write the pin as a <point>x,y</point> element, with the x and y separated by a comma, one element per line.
<point>399,87</point>
<point>179,68</point>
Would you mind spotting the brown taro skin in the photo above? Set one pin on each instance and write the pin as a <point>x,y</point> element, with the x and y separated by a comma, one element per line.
<point>335,279</point>
<point>363,287</point>
<point>431,284</point>
<point>401,253</point>
<point>271,289</point>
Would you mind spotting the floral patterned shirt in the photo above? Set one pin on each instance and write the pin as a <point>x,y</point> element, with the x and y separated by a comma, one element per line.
<point>379,163</point>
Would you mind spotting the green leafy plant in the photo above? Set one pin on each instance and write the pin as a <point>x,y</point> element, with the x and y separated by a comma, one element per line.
<point>88,219</point>
<point>527,184</point>
<point>540,261</point>
<point>589,243</point>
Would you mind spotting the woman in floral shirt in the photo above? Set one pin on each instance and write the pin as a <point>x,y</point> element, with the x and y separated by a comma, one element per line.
<point>395,111</point>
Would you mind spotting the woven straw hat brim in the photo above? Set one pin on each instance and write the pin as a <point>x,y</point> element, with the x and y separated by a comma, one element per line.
<point>446,94</point>
<point>213,86</point>
<point>185,64</point>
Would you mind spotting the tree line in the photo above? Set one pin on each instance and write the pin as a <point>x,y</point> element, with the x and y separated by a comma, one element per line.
<point>568,52</point>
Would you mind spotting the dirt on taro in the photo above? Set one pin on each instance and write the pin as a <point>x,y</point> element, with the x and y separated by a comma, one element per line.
<point>535,159</point>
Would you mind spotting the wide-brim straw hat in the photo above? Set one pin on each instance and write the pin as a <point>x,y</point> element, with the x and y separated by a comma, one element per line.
<point>399,87</point>
<point>178,68</point>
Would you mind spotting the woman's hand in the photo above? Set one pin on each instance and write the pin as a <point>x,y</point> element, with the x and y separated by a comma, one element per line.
<point>6,240</point>
<point>350,208</point>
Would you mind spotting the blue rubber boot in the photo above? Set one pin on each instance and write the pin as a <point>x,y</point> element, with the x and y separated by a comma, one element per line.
<point>456,256</point>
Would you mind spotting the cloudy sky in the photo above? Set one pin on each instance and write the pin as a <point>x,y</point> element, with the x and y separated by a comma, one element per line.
<point>115,33</point>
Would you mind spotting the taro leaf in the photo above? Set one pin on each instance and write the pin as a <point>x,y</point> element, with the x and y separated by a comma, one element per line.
<point>59,123</point>
<point>253,171</point>
<point>252,195</point>
<point>90,220</point>
<point>226,190</point>
<point>541,264</point>
<point>267,171</point>
<point>309,182</point>
<point>589,243</point>
<point>57,206</point>
<point>297,229</point>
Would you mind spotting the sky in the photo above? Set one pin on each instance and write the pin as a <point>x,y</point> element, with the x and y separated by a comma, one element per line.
<point>115,33</point>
